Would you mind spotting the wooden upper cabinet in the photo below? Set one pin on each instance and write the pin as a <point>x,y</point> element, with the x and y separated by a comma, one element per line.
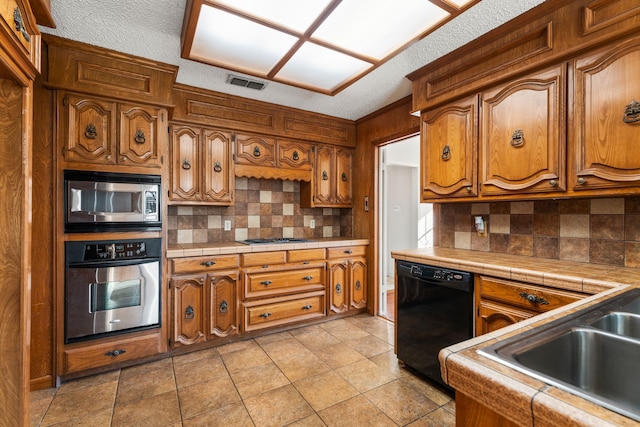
<point>102,131</point>
<point>343,177</point>
<point>295,155</point>
<point>255,150</point>
<point>332,183</point>
<point>522,139</point>
<point>219,178</point>
<point>202,169</point>
<point>448,150</point>
<point>140,129</point>
<point>606,118</point>
<point>324,175</point>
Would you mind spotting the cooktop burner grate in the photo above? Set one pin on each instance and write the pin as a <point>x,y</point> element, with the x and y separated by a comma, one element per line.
<point>274,241</point>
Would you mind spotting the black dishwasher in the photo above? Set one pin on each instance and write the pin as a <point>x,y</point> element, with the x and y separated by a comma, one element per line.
<point>435,310</point>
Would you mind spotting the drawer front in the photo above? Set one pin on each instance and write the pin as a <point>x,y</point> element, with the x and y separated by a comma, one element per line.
<point>263,258</point>
<point>303,255</point>
<point>346,252</point>
<point>279,282</point>
<point>94,356</point>
<point>531,297</point>
<point>204,264</point>
<point>284,310</point>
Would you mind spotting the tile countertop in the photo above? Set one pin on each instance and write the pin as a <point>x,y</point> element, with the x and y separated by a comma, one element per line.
<point>226,248</point>
<point>523,399</point>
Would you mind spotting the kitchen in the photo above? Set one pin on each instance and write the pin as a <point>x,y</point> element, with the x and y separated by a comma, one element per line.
<point>398,122</point>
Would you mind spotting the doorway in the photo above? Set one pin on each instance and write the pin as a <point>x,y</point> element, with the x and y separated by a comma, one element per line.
<point>405,223</point>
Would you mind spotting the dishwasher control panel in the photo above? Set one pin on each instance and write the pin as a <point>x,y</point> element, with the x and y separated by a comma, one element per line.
<point>429,272</point>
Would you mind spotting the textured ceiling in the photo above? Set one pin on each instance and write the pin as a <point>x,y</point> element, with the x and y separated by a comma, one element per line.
<point>151,29</point>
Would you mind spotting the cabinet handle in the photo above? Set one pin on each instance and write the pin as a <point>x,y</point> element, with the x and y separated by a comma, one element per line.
<point>581,181</point>
<point>348,252</point>
<point>358,285</point>
<point>266,282</point>
<point>264,315</point>
<point>338,288</point>
<point>306,307</point>
<point>632,113</point>
<point>114,353</point>
<point>553,183</point>
<point>325,176</point>
<point>256,151</point>
<point>307,278</point>
<point>189,313</point>
<point>533,298</point>
<point>224,307</point>
<point>207,263</point>
<point>446,153</point>
<point>186,165</point>
<point>517,139</point>
<point>139,137</point>
<point>343,176</point>
<point>296,156</point>
<point>217,167</point>
<point>17,20</point>
<point>90,132</point>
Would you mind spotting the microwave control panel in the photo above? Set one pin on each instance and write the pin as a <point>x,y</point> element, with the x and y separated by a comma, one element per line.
<point>102,251</point>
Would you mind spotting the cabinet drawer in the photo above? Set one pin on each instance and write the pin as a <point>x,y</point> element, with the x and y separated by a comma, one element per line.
<point>94,356</point>
<point>346,251</point>
<point>203,264</point>
<point>278,311</point>
<point>302,255</point>
<point>263,258</point>
<point>270,283</point>
<point>531,297</point>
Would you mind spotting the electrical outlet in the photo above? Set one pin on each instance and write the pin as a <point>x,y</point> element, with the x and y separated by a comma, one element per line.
<point>227,225</point>
<point>312,223</point>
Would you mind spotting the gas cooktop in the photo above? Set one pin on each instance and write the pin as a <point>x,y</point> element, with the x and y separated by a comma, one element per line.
<point>274,241</point>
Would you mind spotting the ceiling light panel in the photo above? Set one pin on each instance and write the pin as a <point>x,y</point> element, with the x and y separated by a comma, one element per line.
<point>295,15</point>
<point>322,68</point>
<point>225,39</point>
<point>376,28</point>
<point>460,3</point>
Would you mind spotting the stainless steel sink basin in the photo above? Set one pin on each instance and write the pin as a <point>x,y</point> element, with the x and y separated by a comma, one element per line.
<point>593,353</point>
<point>624,324</point>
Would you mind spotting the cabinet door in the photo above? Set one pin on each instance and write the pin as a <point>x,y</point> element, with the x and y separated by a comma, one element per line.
<point>255,150</point>
<point>344,178</point>
<point>222,304</point>
<point>324,176</point>
<point>338,287</point>
<point>493,316</point>
<point>185,164</point>
<point>358,283</point>
<point>607,118</point>
<point>295,155</point>
<point>142,140</point>
<point>448,153</point>
<point>189,323</point>
<point>522,142</point>
<point>88,129</point>
<point>219,178</point>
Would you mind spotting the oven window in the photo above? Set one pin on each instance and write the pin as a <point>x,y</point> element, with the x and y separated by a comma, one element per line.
<point>114,295</point>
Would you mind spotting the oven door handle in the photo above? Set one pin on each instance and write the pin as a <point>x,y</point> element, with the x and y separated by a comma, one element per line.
<point>113,263</point>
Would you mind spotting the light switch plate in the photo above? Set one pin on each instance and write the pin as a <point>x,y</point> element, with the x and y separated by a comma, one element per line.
<point>312,223</point>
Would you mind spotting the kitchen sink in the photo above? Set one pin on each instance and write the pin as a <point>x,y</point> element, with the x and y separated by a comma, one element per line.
<point>593,353</point>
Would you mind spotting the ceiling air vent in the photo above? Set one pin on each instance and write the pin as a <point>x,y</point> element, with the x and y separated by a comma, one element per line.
<point>240,81</point>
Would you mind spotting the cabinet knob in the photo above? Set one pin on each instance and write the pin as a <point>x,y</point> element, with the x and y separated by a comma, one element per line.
<point>114,353</point>
<point>264,315</point>
<point>533,298</point>
<point>631,112</point>
<point>207,263</point>
<point>468,188</point>
<point>348,252</point>
<point>306,307</point>
<point>343,176</point>
<point>338,288</point>
<point>266,282</point>
<point>307,278</point>
<point>553,182</point>
<point>517,139</point>
<point>581,181</point>
<point>108,157</point>
<point>358,285</point>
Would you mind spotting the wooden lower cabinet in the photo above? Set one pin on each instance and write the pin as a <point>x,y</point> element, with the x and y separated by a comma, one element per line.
<point>189,321</point>
<point>261,314</point>
<point>347,279</point>
<point>222,291</point>
<point>504,302</point>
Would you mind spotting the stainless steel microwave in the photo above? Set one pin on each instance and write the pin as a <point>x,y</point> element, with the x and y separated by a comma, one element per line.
<point>104,201</point>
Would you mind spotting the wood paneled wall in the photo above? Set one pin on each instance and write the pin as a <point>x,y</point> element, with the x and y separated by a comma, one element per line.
<point>388,124</point>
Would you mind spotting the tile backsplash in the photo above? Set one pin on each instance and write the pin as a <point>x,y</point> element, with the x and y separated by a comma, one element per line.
<point>597,231</point>
<point>264,208</point>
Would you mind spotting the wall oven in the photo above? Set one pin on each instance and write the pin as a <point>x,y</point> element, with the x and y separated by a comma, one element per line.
<point>111,287</point>
<point>103,201</point>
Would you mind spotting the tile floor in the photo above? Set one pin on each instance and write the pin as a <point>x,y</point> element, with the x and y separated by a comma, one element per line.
<point>339,373</point>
